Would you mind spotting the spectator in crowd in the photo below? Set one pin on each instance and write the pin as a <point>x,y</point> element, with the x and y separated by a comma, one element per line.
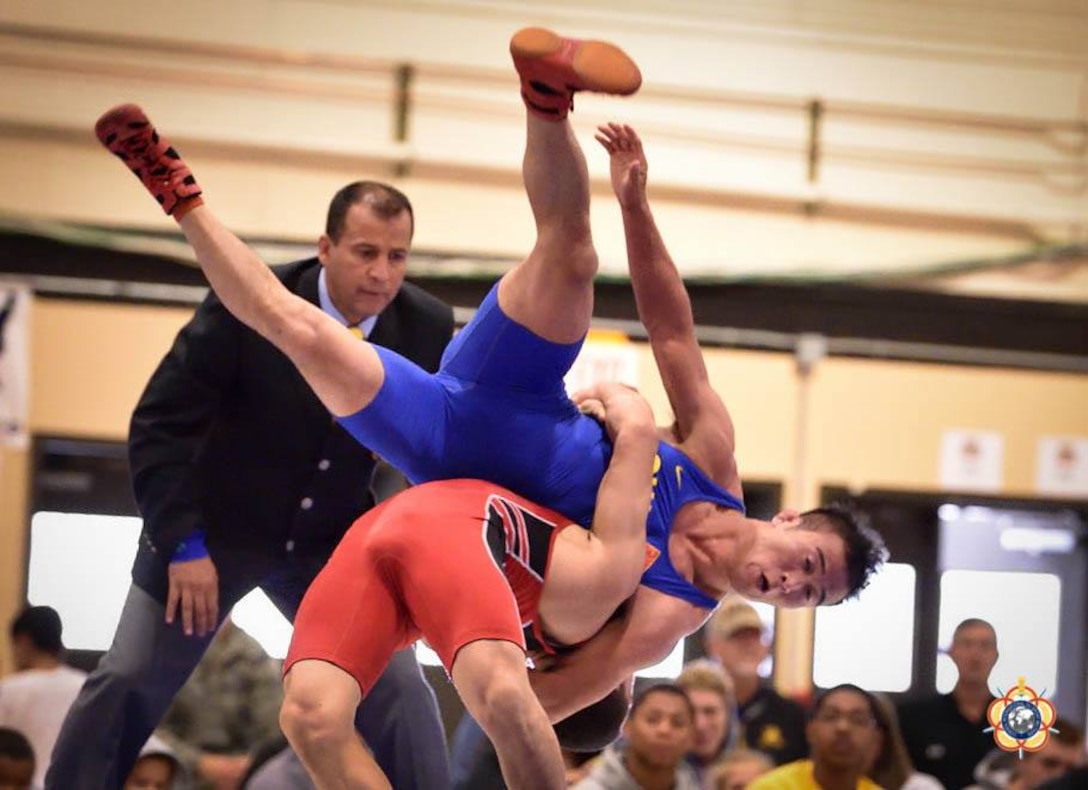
<point>843,733</point>
<point>1077,779</point>
<point>891,767</point>
<point>36,697</point>
<point>229,707</point>
<point>1047,768</point>
<point>945,734</point>
<point>994,771</point>
<point>711,693</point>
<point>738,769</point>
<point>16,761</point>
<point>157,767</point>
<point>771,723</point>
<point>658,733</point>
<point>1062,754</point>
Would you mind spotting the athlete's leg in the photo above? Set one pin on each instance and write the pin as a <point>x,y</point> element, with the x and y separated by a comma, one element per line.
<point>346,629</point>
<point>318,718</point>
<point>491,677</point>
<point>344,373</point>
<point>551,292</point>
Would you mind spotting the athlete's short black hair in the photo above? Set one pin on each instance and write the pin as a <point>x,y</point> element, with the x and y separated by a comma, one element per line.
<point>865,549</point>
<point>592,729</point>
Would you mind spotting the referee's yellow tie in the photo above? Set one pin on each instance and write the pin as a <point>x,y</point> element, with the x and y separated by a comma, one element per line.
<point>357,331</point>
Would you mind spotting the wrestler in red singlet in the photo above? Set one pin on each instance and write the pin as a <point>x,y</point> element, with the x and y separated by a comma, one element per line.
<point>452,561</point>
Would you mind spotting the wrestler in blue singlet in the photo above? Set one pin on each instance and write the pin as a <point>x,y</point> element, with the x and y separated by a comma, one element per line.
<point>678,481</point>
<point>497,410</point>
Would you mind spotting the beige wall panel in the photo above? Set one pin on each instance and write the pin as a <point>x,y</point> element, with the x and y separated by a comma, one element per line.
<point>760,391</point>
<point>879,424</point>
<point>14,484</point>
<point>91,362</point>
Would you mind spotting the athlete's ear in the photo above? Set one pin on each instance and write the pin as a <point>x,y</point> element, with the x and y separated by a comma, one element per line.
<point>786,518</point>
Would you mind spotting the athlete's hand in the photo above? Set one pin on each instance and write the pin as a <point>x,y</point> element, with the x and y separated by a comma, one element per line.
<point>591,407</point>
<point>624,408</point>
<point>194,586</point>
<point>627,162</point>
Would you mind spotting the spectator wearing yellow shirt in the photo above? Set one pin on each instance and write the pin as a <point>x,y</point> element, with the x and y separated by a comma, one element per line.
<point>842,735</point>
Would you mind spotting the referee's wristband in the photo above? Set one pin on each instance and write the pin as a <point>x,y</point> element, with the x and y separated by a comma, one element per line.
<point>192,548</point>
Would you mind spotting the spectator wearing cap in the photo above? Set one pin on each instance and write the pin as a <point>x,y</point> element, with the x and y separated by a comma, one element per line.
<point>35,698</point>
<point>843,733</point>
<point>772,724</point>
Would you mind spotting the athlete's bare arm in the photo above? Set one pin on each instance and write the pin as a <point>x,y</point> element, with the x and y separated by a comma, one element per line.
<point>591,573</point>
<point>703,425</point>
<point>642,636</point>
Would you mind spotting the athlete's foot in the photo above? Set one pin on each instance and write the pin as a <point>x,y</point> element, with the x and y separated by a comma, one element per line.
<point>553,69</point>
<point>129,135</point>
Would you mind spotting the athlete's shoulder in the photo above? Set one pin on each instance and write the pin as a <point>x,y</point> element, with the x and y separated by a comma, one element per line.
<point>711,452</point>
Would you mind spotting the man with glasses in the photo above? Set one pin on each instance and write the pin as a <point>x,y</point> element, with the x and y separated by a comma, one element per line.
<point>842,735</point>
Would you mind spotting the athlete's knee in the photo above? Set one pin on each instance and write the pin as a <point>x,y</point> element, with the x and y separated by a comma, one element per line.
<point>311,725</point>
<point>569,249</point>
<point>507,700</point>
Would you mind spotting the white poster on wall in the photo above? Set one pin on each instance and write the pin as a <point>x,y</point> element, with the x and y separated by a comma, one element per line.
<point>972,460</point>
<point>14,363</point>
<point>1062,465</point>
<point>605,356</point>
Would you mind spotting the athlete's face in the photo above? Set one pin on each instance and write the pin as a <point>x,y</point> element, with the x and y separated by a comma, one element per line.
<point>365,267</point>
<point>792,567</point>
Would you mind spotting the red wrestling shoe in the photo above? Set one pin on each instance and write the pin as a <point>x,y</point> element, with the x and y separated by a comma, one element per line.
<point>129,135</point>
<point>553,69</point>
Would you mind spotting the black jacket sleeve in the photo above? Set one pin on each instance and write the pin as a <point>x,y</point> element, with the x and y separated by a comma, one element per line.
<point>172,420</point>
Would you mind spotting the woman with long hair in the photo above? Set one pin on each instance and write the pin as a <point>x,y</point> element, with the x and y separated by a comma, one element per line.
<point>891,767</point>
